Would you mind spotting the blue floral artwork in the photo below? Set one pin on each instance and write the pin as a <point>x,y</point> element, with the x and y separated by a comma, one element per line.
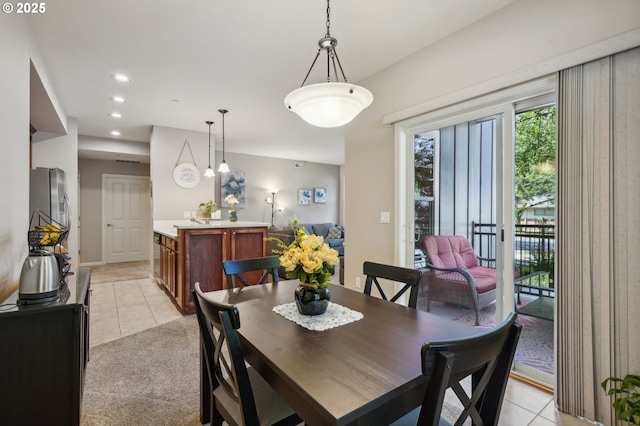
<point>304,197</point>
<point>232,183</point>
<point>320,195</point>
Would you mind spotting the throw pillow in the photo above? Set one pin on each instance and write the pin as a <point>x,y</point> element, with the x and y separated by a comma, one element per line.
<point>335,233</point>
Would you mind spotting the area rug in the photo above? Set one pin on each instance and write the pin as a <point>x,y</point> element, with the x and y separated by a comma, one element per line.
<point>151,377</point>
<point>535,347</point>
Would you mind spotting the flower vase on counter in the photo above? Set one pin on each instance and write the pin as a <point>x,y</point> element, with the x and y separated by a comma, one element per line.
<point>232,201</point>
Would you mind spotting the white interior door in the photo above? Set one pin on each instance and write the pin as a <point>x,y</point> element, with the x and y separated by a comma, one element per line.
<point>126,217</point>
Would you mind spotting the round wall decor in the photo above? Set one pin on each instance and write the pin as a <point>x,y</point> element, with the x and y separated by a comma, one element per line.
<point>186,175</point>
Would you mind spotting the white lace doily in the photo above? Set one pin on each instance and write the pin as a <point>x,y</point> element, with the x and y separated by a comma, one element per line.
<point>335,316</point>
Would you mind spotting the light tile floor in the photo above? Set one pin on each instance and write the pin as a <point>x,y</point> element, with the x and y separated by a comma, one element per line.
<point>122,308</point>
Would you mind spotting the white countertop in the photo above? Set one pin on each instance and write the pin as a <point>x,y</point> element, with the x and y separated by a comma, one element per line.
<point>170,228</point>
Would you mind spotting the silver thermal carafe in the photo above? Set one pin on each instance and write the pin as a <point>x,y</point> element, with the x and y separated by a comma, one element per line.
<point>41,277</point>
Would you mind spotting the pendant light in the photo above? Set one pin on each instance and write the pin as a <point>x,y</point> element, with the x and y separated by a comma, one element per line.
<point>209,171</point>
<point>330,104</point>
<point>223,166</point>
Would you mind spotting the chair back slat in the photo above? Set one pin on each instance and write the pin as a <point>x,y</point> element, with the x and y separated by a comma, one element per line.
<point>409,277</point>
<point>486,357</point>
<point>268,265</point>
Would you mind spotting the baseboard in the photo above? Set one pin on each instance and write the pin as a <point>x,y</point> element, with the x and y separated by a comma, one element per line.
<point>82,264</point>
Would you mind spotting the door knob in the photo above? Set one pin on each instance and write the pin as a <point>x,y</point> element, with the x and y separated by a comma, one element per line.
<point>108,224</point>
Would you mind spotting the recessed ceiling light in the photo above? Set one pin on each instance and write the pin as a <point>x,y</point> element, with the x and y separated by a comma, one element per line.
<point>121,78</point>
<point>118,99</point>
<point>115,115</point>
<point>115,133</point>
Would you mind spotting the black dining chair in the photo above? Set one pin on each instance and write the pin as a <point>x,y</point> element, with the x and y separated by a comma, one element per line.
<point>240,396</point>
<point>486,357</point>
<point>410,278</point>
<point>268,264</point>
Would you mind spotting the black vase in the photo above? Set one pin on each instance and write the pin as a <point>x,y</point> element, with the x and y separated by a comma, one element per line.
<point>311,300</point>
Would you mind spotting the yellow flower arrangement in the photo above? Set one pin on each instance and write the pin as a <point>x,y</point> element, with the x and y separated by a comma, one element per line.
<point>307,258</point>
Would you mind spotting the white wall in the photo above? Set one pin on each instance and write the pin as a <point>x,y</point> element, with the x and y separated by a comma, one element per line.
<point>169,199</point>
<point>18,51</point>
<point>14,161</point>
<point>514,44</point>
<point>261,173</point>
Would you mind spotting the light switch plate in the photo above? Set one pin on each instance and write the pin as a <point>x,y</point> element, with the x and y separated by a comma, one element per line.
<point>186,215</point>
<point>385,217</point>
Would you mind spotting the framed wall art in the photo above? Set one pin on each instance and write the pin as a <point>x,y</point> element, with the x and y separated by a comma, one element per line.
<point>319,195</point>
<point>232,183</point>
<point>304,197</point>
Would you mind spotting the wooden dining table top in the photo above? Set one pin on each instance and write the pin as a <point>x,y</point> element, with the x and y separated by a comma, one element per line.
<point>364,372</point>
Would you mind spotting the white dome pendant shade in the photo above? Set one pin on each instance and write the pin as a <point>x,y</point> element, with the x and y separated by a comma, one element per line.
<point>328,104</point>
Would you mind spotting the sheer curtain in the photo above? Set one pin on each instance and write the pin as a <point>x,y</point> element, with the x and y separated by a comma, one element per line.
<point>598,231</point>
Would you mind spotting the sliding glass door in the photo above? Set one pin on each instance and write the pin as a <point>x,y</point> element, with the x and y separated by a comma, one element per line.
<point>464,174</point>
<point>455,192</point>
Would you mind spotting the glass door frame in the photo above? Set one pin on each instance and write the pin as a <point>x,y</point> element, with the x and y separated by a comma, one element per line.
<point>500,104</point>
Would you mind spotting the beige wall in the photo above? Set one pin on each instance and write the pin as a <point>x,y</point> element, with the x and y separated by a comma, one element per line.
<point>263,173</point>
<point>14,161</point>
<point>18,51</point>
<point>170,201</point>
<point>51,150</point>
<point>520,42</point>
<point>90,209</point>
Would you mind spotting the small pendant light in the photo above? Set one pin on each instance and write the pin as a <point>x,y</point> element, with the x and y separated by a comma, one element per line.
<point>209,172</point>
<point>224,168</point>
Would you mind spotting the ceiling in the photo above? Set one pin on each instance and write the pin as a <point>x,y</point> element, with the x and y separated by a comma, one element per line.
<point>187,59</point>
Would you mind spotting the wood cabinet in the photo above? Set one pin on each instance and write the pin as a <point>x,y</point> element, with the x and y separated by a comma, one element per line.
<point>43,356</point>
<point>200,253</point>
<point>169,264</point>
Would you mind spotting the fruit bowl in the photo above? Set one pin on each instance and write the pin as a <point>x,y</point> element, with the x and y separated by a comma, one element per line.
<point>47,232</point>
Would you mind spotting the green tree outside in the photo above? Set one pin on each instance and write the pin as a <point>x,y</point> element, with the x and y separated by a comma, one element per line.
<point>535,158</point>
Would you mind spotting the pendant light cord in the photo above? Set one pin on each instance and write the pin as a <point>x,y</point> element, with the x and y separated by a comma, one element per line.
<point>209,123</point>
<point>328,43</point>
<point>328,34</point>
<point>223,112</point>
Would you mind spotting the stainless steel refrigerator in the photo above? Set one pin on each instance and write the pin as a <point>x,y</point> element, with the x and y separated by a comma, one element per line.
<point>47,193</point>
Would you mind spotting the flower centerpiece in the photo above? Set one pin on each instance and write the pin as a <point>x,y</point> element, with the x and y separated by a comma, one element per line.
<point>308,258</point>
<point>232,201</point>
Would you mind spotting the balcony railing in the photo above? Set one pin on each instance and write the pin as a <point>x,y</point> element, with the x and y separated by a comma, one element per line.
<point>534,249</point>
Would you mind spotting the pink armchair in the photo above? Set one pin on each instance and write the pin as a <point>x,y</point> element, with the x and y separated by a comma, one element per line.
<point>454,275</point>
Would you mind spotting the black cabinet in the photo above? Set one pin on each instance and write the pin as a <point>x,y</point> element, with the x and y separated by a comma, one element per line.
<point>43,356</point>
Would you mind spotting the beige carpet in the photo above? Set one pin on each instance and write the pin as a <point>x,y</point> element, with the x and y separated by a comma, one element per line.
<point>149,378</point>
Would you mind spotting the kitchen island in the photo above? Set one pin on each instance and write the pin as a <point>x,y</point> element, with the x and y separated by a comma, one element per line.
<point>191,252</point>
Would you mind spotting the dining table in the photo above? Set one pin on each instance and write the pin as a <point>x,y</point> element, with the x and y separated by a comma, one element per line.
<point>364,372</point>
